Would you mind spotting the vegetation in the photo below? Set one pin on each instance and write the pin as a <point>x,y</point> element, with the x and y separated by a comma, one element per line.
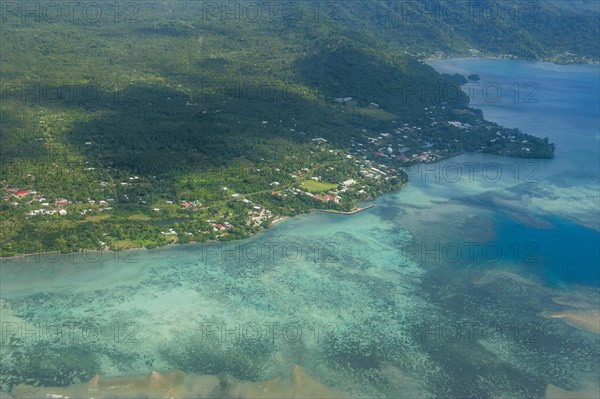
<point>550,30</point>
<point>167,122</point>
<point>317,187</point>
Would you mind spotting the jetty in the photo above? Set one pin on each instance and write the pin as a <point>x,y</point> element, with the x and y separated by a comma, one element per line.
<point>352,212</point>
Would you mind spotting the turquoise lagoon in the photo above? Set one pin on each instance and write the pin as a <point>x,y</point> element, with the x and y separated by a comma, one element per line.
<point>440,290</point>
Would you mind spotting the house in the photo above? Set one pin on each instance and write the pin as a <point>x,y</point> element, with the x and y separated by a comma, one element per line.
<point>62,212</point>
<point>22,193</point>
<point>333,198</point>
<point>378,171</point>
<point>220,227</point>
<point>349,182</point>
<point>61,202</point>
<point>185,204</point>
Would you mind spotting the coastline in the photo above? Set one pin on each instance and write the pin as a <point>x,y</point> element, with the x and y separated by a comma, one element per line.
<point>352,212</point>
<point>109,250</point>
<point>549,60</point>
<point>278,219</point>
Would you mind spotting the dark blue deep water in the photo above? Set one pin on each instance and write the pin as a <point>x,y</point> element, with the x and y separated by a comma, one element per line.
<point>564,253</point>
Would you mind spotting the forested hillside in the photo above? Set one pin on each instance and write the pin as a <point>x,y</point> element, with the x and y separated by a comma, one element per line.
<point>556,30</point>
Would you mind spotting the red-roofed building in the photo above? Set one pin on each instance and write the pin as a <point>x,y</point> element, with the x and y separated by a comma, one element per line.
<point>61,202</point>
<point>186,204</point>
<point>22,193</point>
<point>332,198</point>
<point>220,227</point>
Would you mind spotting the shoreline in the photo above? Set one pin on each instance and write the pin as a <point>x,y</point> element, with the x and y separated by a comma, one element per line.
<point>352,212</point>
<point>497,57</point>
<point>278,220</point>
<point>59,255</point>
